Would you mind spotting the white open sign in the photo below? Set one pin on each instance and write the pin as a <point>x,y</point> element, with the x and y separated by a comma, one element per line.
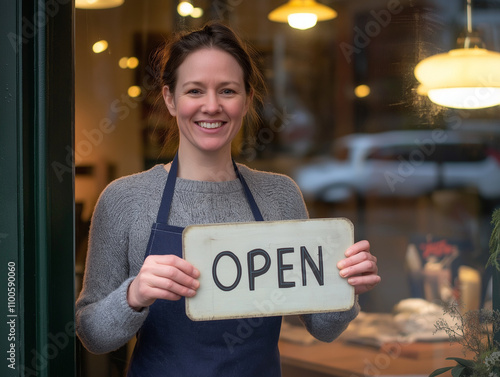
<point>262,268</point>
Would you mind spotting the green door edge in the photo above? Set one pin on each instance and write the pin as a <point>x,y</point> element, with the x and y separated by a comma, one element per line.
<point>37,189</point>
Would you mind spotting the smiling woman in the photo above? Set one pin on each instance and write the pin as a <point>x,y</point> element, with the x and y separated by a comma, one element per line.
<point>208,84</point>
<point>209,103</point>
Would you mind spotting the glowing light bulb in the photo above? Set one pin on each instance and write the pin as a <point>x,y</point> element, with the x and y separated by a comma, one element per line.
<point>302,21</point>
<point>97,4</point>
<point>462,78</point>
<point>132,62</point>
<point>466,98</point>
<point>134,91</point>
<point>362,91</point>
<point>197,12</point>
<point>100,46</point>
<point>184,8</point>
<point>122,63</point>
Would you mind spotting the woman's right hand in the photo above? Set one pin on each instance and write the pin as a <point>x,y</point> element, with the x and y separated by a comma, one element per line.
<point>165,277</point>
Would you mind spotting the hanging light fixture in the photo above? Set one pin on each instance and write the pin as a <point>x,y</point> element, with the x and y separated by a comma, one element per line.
<point>98,4</point>
<point>185,8</point>
<point>463,78</point>
<point>302,14</point>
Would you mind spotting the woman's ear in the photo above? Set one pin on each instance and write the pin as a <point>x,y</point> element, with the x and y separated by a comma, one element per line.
<point>168,97</point>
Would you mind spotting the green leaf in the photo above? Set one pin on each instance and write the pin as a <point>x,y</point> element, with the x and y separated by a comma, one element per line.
<point>464,362</point>
<point>495,241</point>
<point>440,371</point>
<point>457,371</point>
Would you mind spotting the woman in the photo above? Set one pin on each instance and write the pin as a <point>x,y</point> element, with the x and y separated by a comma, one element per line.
<point>135,278</point>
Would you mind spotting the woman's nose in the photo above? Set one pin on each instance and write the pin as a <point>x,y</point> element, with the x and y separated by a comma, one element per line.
<point>212,103</point>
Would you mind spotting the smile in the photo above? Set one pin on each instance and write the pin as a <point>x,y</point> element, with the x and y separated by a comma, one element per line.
<point>209,124</point>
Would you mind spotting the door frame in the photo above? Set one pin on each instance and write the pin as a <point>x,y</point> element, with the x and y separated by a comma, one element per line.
<point>37,190</point>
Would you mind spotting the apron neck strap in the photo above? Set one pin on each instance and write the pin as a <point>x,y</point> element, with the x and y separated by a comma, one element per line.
<point>168,193</point>
<point>253,205</point>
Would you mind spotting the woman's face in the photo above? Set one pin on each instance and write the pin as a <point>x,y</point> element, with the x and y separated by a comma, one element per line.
<point>209,101</point>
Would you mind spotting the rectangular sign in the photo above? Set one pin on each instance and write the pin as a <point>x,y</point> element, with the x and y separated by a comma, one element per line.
<point>263,268</point>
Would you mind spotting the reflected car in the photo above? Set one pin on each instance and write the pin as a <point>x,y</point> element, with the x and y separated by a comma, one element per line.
<point>402,164</point>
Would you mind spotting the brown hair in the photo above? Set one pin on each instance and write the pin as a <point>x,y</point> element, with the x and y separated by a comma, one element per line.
<point>212,35</point>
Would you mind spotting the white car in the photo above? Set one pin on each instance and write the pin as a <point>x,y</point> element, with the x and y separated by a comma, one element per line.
<point>404,164</point>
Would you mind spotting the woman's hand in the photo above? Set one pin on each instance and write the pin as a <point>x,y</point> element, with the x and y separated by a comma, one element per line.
<point>165,277</point>
<point>360,267</point>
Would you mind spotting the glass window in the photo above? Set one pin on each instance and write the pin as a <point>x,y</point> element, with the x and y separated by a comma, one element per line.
<point>342,116</point>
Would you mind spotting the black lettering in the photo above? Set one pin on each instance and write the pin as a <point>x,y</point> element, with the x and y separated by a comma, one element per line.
<point>238,271</point>
<point>252,273</point>
<point>318,272</point>
<point>283,267</point>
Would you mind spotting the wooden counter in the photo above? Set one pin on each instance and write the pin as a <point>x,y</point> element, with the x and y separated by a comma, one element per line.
<point>344,360</point>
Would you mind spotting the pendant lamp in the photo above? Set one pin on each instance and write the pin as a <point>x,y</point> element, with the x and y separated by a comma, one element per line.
<point>98,4</point>
<point>463,78</point>
<point>302,14</point>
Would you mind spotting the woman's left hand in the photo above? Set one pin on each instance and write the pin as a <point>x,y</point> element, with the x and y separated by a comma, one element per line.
<point>360,267</point>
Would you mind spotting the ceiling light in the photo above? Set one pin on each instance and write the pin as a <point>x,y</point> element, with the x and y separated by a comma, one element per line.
<point>197,12</point>
<point>302,21</point>
<point>466,78</point>
<point>123,62</point>
<point>302,14</point>
<point>134,91</point>
<point>463,78</point>
<point>185,8</point>
<point>132,62</point>
<point>362,91</point>
<point>98,4</point>
<point>100,46</point>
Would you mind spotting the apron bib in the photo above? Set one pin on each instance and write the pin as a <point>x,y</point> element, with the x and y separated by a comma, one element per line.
<point>170,344</point>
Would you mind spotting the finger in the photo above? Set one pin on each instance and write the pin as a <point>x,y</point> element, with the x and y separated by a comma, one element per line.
<point>166,276</point>
<point>364,284</point>
<point>357,247</point>
<point>148,287</point>
<point>169,289</point>
<point>357,259</point>
<point>181,264</point>
<point>361,280</point>
<point>364,268</point>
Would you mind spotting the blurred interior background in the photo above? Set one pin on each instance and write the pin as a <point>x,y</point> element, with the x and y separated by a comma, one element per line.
<point>342,117</point>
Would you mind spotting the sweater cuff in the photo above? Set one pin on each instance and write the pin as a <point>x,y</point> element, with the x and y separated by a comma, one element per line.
<point>133,318</point>
<point>328,326</point>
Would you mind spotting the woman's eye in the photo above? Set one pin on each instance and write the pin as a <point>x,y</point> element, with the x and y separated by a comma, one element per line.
<point>228,91</point>
<point>194,91</point>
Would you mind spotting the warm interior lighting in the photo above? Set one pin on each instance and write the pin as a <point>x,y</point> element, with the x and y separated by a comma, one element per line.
<point>185,8</point>
<point>302,14</point>
<point>134,91</point>
<point>302,21</point>
<point>123,62</point>
<point>132,62</point>
<point>98,4</point>
<point>362,91</point>
<point>127,62</point>
<point>100,46</point>
<point>197,12</point>
<point>466,78</point>
<point>466,98</point>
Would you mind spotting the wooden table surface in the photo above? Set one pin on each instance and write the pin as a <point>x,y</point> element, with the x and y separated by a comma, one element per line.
<point>345,360</point>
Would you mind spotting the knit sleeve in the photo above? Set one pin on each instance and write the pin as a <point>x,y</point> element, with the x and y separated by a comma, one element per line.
<point>328,326</point>
<point>104,320</point>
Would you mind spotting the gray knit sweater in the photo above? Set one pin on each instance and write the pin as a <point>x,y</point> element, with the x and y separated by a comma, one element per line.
<point>120,230</point>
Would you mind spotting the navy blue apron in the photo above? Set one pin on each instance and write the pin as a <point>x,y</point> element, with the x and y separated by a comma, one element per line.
<point>170,344</point>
